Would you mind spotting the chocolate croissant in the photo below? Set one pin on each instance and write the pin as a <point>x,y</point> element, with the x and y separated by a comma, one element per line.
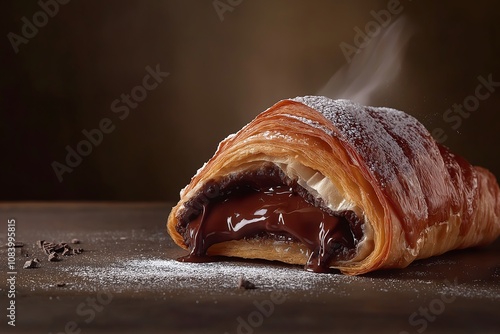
<point>333,184</point>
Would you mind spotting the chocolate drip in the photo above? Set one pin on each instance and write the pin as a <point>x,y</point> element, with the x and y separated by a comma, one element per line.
<point>265,204</point>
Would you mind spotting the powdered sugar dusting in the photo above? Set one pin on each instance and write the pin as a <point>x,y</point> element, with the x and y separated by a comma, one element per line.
<point>312,123</point>
<point>192,276</point>
<point>378,149</point>
<point>399,153</point>
<point>221,278</point>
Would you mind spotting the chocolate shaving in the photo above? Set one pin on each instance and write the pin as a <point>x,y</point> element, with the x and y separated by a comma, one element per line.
<point>59,248</point>
<point>53,257</point>
<point>67,251</point>
<point>31,264</point>
<point>55,251</point>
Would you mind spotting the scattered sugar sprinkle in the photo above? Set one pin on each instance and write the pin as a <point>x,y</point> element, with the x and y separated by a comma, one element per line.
<point>361,129</point>
<point>221,278</point>
<point>180,275</point>
<point>312,123</point>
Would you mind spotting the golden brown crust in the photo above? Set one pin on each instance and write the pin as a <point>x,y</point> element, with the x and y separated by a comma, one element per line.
<point>417,198</point>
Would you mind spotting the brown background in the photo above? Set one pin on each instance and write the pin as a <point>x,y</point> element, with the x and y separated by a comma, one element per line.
<point>222,74</point>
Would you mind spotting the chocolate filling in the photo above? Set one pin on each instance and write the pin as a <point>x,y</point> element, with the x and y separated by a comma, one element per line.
<point>265,203</point>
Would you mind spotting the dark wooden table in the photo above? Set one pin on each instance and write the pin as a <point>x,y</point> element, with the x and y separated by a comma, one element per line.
<point>127,281</point>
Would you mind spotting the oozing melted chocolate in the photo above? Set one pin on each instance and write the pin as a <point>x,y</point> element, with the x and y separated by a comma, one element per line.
<point>266,204</point>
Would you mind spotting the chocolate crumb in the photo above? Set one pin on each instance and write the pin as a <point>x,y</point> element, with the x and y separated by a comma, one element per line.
<point>59,248</point>
<point>48,247</point>
<point>67,251</point>
<point>60,284</point>
<point>31,264</point>
<point>55,251</point>
<point>245,284</point>
<point>77,250</point>
<point>53,257</point>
